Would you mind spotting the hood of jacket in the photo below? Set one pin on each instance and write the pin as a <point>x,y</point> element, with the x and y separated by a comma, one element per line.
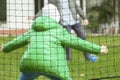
<point>44,23</point>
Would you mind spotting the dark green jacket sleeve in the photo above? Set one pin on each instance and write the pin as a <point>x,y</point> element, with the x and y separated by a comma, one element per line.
<point>72,41</point>
<point>79,10</point>
<point>16,43</point>
<point>38,14</point>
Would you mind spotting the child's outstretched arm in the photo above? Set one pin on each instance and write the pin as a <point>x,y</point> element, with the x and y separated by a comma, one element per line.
<point>16,43</point>
<point>83,45</point>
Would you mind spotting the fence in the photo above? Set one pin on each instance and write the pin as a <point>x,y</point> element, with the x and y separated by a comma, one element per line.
<point>19,20</point>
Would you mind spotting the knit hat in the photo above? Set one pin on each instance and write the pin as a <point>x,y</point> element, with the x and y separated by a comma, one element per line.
<point>51,11</point>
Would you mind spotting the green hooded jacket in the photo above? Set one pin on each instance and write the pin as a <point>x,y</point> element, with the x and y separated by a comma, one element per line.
<point>45,53</point>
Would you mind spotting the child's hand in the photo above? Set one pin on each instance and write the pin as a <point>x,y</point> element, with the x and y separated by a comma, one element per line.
<point>1,47</point>
<point>104,49</point>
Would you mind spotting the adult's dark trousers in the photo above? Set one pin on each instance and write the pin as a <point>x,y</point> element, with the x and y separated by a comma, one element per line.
<point>78,29</point>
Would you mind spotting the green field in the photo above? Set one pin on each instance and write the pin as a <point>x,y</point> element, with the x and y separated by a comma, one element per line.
<point>106,66</point>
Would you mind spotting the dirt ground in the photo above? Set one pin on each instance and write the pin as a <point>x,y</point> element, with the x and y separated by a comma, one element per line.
<point>13,32</point>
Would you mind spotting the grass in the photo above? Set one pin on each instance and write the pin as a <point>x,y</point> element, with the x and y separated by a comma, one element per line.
<point>1,23</point>
<point>106,66</point>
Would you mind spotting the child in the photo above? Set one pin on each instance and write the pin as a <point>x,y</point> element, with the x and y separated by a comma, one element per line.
<point>68,10</point>
<point>45,54</point>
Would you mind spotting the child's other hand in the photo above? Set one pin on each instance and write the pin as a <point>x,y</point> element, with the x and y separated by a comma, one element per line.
<point>104,49</point>
<point>1,47</point>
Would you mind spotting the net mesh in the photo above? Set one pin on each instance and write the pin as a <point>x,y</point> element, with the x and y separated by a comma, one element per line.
<point>17,16</point>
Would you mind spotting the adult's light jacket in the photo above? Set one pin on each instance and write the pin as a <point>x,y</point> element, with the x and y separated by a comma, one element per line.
<point>45,52</point>
<point>68,10</point>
